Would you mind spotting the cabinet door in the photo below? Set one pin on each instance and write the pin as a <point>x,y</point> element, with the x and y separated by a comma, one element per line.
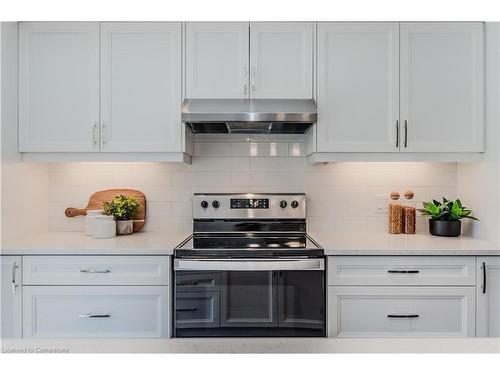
<point>95,311</point>
<point>398,311</point>
<point>442,84</point>
<point>281,60</point>
<point>358,87</point>
<point>249,299</point>
<point>141,87</point>
<point>58,86</point>
<point>11,298</point>
<point>217,60</point>
<point>488,297</point>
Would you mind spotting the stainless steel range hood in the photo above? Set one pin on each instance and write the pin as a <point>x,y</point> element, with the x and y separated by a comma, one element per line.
<point>249,116</point>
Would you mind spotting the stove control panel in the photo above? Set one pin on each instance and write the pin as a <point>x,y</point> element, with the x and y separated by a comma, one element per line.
<point>249,203</point>
<point>249,206</point>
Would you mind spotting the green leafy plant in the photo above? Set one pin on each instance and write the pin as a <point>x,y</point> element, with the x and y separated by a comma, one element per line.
<point>447,210</point>
<point>122,207</point>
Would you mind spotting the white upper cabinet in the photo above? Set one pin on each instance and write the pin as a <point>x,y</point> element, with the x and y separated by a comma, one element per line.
<point>358,87</point>
<point>217,60</point>
<point>488,296</point>
<point>442,84</point>
<point>141,87</point>
<point>281,60</point>
<point>58,86</point>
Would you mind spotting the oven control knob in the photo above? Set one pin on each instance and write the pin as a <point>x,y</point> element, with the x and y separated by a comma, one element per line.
<point>294,204</point>
<point>215,204</point>
<point>283,204</point>
<point>204,204</point>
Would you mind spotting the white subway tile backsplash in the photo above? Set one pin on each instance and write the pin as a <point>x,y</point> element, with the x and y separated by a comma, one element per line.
<point>341,196</point>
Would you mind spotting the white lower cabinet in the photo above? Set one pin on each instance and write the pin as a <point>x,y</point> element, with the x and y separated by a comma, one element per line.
<point>371,311</point>
<point>11,297</point>
<point>488,296</point>
<point>95,311</point>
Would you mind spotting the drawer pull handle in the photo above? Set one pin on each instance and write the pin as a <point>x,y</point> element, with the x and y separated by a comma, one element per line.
<point>91,316</point>
<point>197,283</point>
<point>403,315</point>
<point>185,310</point>
<point>403,271</point>
<point>95,271</point>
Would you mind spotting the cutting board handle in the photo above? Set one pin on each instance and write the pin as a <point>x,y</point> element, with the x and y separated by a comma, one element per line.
<point>71,211</point>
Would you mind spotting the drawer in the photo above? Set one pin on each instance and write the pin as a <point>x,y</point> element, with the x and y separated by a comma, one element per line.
<point>191,281</point>
<point>401,270</point>
<point>95,311</point>
<point>197,310</point>
<point>96,270</point>
<point>401,311</point>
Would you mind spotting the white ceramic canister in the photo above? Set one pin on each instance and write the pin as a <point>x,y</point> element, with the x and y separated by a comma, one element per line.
<point>89,221</point>
<point>104,226</point>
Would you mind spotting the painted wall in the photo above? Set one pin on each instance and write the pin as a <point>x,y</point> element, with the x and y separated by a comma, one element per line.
<point>341,196</point>
<point>24,185</point>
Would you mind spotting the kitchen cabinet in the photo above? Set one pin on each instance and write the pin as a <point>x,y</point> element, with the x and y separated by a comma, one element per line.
<point>11,295</point>
<point>95,312</point>
<point>93,91</point>
<point>395,311</point>
<point>281,60</point>
<point>197,310</point>
<point>442,87</point>
<point>401,296</point>
<point>488,296</point>
<point>217,60</point>
<point>241,60</point>
<point>358,87</point>
<point>140,87</point>
<point>58,86</point>
<point>409,87</point>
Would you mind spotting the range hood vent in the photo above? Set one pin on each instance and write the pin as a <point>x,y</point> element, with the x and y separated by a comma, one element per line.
<point>249,116</point>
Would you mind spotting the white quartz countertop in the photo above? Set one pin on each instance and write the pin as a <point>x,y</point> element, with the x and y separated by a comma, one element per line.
<point>401,244</point>
<point>77,243</point>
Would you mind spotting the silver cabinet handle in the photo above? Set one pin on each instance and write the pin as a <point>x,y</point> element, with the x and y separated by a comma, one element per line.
<point>245,80</point>
<point>249,264</point>
<point>93,316</point>
<point>403,271</point>
<point>103,138</point>
<point>406,133</point>
<point>253,78</point>
<point>407,316</point>
<point>14,282</point>
<point>94,134</point>
<point>88,270</point>
<point>397,133</point>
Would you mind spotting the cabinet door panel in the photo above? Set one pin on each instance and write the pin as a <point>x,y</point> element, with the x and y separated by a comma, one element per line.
<point>217,60</point>
<point>397,311</point>
<point>442,84</point>
<point>281,60</point>
<point>11,297</point>
<point>488,297</point>
<point>358,87</point>
<point>58,86</point>
<point>141,87</point>
<point>95,311</point>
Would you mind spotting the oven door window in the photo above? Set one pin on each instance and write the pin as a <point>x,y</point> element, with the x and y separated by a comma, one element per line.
<point>249,304</point>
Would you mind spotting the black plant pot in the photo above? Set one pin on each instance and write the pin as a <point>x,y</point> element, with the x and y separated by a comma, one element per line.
<point>445,228</point>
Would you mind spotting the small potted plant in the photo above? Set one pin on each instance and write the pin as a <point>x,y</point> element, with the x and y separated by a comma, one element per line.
<point>446,216</point>
<point>124,209</point>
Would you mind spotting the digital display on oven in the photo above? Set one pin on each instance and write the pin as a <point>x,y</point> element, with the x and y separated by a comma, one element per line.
<point>250,203</point>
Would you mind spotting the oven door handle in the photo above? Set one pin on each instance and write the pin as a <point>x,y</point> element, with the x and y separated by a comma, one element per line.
<point>249,264</point>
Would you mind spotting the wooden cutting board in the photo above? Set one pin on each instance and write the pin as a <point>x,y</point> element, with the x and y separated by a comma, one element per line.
<point>99,197</point>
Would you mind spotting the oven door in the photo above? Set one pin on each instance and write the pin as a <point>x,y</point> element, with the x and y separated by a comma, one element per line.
<point>249,298</point>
